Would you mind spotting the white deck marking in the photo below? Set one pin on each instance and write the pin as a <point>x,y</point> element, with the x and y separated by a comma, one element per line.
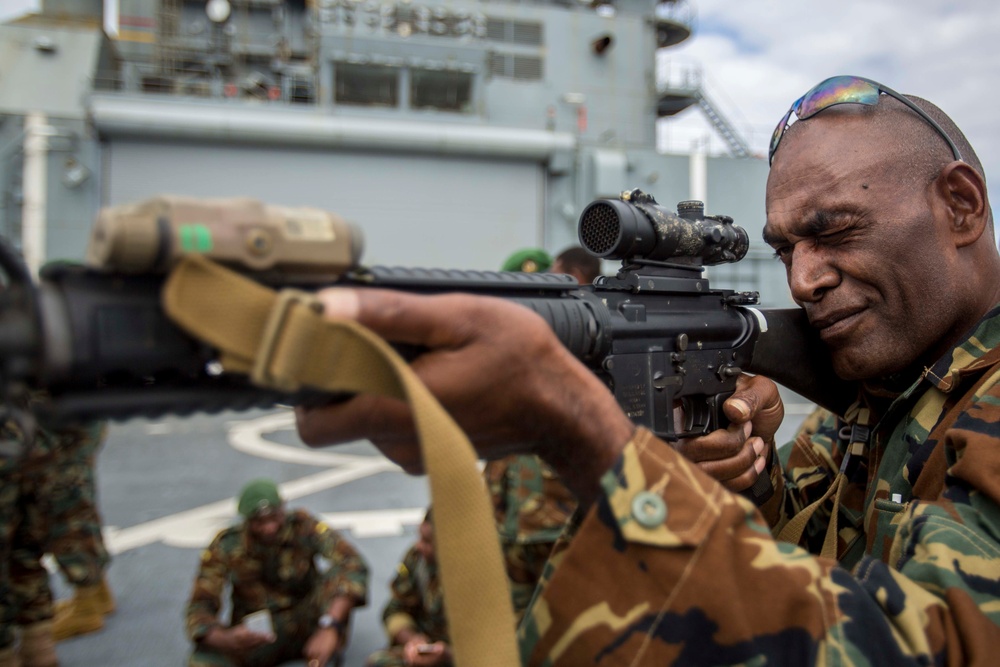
<point>196,527</point>
<point>375,523</point>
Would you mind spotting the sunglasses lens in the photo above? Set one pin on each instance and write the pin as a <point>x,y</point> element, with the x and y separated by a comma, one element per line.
<point>848,90</point>
<point>779,130</point>
<point>838,90</point>
<point>835,90</point>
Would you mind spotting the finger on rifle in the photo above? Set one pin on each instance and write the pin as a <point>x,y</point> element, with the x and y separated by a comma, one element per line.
<point>749,475</point>
<point>387,422</point>
<point>718,445</point>
<point>736,469</point>
<point>431,321</point>
<point>754,396</point>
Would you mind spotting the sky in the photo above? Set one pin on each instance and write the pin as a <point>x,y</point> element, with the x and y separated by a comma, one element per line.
<point>757,56</point>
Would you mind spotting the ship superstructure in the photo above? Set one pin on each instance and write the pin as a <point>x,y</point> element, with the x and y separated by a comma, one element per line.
<point>451,131</point>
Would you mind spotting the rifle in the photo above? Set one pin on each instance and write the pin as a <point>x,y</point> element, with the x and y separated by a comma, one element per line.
<point>95,337</point>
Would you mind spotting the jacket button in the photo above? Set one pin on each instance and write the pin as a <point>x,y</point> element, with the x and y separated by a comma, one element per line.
<point>649,509</point>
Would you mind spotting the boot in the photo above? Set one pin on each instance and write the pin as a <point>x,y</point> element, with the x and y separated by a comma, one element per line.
<point>105,598</point>
<point>38,649</point>
<point>84,613</point>
<point>9,657</point>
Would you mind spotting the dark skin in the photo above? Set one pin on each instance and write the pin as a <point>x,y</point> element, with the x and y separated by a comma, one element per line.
<point>891,271</point>
<point>560,267</point>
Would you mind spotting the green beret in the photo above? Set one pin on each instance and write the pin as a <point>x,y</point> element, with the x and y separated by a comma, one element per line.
<point>257,496</point>
<point>529,260</point>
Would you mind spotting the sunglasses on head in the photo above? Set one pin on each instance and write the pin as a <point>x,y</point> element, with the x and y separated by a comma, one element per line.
<point>847,90</point>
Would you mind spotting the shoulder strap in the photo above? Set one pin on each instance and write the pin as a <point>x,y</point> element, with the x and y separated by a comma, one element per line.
<point>857,447</point>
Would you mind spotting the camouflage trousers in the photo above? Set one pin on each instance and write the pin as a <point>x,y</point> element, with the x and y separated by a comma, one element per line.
<point>74,537</point>
<point>47,504</point>
<point>387,657</point>
<point>292,629</point>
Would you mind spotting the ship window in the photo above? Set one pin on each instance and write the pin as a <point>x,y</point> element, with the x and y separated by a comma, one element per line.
<point>528,33</point>
<point>436,89</point>
<point>368,85</point>
<point>511,66</point>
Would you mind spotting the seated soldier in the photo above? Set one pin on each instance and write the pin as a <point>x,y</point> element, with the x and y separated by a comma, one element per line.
<point>295,578</point>
<point>414,616</point>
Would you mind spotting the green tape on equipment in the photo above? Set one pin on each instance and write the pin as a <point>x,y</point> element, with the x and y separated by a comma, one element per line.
<point>196,238</point>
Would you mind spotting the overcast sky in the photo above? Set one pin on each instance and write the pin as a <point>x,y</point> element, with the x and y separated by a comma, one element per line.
<point>757,56</point>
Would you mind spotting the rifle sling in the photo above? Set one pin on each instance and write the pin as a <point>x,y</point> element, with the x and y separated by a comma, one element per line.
<point>283,341</point>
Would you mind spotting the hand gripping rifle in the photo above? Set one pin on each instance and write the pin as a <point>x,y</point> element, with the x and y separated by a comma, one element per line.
<point>97,340</point>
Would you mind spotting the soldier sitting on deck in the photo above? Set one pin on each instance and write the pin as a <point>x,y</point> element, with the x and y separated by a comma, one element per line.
<point>285,606</point>
<point>414,616</point>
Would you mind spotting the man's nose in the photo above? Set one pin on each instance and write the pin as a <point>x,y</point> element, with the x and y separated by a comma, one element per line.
<point>811,273</point>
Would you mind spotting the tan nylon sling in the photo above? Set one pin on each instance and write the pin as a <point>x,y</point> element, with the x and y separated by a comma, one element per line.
<point>792,531</point>
<point>283,342</point>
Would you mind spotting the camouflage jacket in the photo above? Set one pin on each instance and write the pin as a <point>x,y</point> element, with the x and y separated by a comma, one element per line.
<point>530,504</point>
<point>416,602</point>
<point>679,570</point>
<point>275,577</point>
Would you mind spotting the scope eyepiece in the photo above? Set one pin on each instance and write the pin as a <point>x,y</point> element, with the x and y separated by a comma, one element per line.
<point>636,227</point>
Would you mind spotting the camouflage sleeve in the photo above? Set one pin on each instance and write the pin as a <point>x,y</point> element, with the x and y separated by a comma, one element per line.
<point>348,572</point>
<point>668,567</point>
<point>404,604</point>
<point>202,612</point>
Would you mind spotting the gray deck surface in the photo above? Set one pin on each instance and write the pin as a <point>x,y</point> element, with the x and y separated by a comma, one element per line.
<point>167,486</point>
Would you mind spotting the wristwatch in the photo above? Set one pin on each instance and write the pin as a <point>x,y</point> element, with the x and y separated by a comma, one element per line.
<point>326,621</point>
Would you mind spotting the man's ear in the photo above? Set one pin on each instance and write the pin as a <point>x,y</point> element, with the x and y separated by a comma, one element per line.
<point>963,195</point>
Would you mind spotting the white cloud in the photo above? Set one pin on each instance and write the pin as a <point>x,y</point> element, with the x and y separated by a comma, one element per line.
<point>757,57</point>
<point>10,9</point>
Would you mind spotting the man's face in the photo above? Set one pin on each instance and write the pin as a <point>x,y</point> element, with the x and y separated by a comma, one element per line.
<point>425,545</point>
<point>865,253</point>
<point>265,526</point>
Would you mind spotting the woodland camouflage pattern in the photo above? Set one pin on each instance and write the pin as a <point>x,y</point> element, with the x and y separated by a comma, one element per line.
<point>531,507</point>
<point>709,585</point>
<point>282,578</point>
<point>47,505</point>
<point>416,603</point>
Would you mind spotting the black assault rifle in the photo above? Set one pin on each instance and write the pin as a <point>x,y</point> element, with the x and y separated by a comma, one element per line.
<point>96,339</point>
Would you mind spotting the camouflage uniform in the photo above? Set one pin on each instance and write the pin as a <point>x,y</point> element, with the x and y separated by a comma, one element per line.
<point>417,603</point>
<point>679,570</point>
<point>531,507</point>
<point>37,496</point>
<point>283,578</point>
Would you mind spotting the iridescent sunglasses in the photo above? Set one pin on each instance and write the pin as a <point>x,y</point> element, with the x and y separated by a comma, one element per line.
<point>847,90</point>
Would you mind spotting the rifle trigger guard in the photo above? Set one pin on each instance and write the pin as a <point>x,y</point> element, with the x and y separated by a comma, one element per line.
<point>260,372</point>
